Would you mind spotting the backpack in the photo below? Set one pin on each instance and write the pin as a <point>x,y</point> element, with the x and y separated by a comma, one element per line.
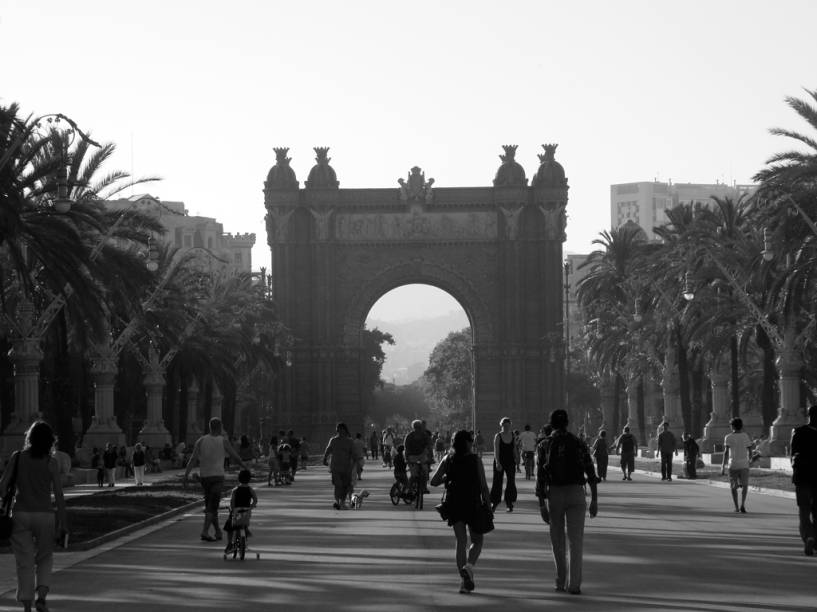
<point>564,462</point>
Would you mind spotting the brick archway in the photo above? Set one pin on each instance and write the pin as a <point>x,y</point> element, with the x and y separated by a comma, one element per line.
<point>497,250</point>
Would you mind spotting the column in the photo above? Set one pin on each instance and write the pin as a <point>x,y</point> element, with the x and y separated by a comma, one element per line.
<point>154,433</point>
<point>194,430</point>
<point>718,425</point>
<point>632,404</point>
<point>103,428</point>
<point>789,414</point>
<point>26,356</point>
<point>671,388</point>
<point>215,402</point>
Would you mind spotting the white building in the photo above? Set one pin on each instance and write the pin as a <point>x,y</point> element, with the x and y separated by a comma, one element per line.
<point>646,203</point>
<point>233,251</point>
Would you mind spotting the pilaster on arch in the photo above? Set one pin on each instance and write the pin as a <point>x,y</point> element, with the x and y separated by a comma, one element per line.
<point>419,271</point>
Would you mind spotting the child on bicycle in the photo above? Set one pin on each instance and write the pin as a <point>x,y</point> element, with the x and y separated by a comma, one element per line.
<point>285,461</point>
<point>274,467</point>
<point>400,467</point>
<point>242,500</point>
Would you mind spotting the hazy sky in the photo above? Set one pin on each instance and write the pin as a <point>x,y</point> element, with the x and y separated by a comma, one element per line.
<point>199,92</point>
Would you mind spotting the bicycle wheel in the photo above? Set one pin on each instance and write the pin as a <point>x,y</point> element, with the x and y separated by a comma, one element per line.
<point>234,537</point>
<point>421,487</point>
<point>394,494</point>
<point>242,546</point>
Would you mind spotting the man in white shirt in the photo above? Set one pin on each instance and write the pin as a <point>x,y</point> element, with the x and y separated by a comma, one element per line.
<point>527,444</point>
<point>737,449</point>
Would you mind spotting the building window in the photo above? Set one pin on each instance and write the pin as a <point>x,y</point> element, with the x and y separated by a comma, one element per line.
<point>210,243</point>
<point>188,241</point>
<point>237,257</point>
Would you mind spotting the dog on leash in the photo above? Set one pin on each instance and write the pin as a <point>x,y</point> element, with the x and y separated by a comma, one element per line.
<point>357,499</point>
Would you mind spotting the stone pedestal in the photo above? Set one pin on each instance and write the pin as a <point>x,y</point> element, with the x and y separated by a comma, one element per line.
<point>215,403</point>
<point>718,425</point>
<point>194,429</point>
<point>154,433</point>
<point>103,428</point>
<point>788,414</point>
<point>26,356</point>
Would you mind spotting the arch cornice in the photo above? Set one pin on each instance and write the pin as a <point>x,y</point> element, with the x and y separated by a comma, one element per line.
<point>418,270</point>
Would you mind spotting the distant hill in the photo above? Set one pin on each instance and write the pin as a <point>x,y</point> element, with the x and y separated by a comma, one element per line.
<point>414,340</point>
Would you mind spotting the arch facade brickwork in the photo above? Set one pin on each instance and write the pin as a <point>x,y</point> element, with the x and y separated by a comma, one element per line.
<point>497,250</point>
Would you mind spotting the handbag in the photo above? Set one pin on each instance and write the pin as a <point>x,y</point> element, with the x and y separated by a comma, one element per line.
<point>444,508</point>
<point>483,521</point>
<point>6,521</point>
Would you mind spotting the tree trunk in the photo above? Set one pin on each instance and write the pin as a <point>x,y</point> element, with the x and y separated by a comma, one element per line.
<point>619,384</point>
<point>768,393</point>
<point>733,350</point>
<point>698,399</point>
<point>642,425</point>
<point>683,379</point>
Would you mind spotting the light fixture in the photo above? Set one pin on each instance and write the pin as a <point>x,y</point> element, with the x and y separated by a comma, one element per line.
<point>637,313</point>
<point>289,359</point>
<point>153,256</point>
<point>689,294</point>
<point>768,253</point>
<point>62,203</point>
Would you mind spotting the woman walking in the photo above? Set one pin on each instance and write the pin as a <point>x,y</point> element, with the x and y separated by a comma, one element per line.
<point>467,492</point>
<point>36,475</point>
<point>506,458</point>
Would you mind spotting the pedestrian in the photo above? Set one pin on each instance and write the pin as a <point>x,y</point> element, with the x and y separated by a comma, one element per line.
<point>466,495</point>
<point>96,463</point>
<point>667,447</point>
<point>245,449</point>
<point>564,466</point>
<point>138,461</point>
<point>209,453</point>
<point>601,454</point>
<point>506,458</point>
<point>31,476</point>
<point>388,446</point>
<point>527,448</point>
<point>343,454</point>
<point>295,446</point>
<point>304,452</point>
<point>626,446</point>
<point>737,447</point>
<point>360,451</point>
<point>479,443</point>
<point>691,453</point>
<point>109,460</point>
<point>374,442</point>
<point>804,477</point>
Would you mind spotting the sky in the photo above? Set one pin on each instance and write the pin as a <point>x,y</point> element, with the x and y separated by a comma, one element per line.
<point>200,92</point>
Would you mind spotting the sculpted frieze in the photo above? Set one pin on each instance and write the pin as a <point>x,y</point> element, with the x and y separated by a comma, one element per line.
<point>417,226</point>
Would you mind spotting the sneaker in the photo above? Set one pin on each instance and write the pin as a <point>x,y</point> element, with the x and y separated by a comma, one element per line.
<point>336,506</point>
<point>206,537</point>
<point>574,591</point>
<point>510,509</point>
<point>743,510</point>
<point>810,546</point>
<point>559,588</point>
<point>463,590</point>
<point>467,578</point>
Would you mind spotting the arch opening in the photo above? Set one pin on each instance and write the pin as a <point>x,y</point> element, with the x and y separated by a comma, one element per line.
<point>428,372</point>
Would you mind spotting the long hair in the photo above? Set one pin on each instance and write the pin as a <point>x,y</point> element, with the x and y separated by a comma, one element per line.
<point>461,441</point>
<point>39,439</point>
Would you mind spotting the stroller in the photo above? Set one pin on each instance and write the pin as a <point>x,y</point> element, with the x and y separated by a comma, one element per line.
<point>237,528</point>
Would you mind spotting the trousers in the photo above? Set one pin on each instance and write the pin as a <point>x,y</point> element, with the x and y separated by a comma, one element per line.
<point>32,542</point>
<point>807,509</point>
<point>567,509</point>
<point>139,473</point>
<point>666,465</point>
<point>510,488</point>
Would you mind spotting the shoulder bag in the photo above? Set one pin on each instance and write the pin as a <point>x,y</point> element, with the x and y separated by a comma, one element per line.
<point>6,522</point>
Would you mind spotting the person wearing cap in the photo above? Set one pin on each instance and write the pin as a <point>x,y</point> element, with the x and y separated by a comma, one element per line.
<point>564,466</point>
<point>506,458</point>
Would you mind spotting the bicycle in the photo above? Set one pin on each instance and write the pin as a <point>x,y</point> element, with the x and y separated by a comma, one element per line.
<point>418,482</point>
<point>237,535</point>
<point>402,491</point>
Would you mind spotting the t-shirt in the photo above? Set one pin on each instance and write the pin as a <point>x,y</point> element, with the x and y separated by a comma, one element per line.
<point>527,440</point>
<point>211,456</point>
<point>666,442</point>
<point>34,480</point>
<point>804,455</point>
<point>343,453</point>
<point>738,442</point>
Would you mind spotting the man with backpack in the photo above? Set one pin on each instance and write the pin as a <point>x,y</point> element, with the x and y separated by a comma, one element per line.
<point>804,476</point>
<point>626,446</point>
<point>564,466</point>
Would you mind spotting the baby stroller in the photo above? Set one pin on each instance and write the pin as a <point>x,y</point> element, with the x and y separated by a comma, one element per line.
<point>237,528</point>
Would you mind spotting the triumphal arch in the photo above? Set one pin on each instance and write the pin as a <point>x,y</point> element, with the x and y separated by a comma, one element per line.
<point>497,250</point>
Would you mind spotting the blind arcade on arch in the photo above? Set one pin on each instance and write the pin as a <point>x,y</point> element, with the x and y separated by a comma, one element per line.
<point>496,249</point>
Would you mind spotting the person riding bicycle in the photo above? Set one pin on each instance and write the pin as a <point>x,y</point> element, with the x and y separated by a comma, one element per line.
<point>242,500</point>
<point>419,450</point>
<point>527,443</point>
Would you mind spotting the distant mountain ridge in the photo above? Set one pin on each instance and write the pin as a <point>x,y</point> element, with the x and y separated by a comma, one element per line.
<point>414,340</point>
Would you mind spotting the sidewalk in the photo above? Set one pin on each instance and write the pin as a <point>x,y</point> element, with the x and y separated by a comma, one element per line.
<point>650,543</point>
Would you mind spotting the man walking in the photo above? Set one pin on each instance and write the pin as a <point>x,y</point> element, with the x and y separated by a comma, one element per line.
<point>527,444</point>
<point>344,459</point>
<point>737,448</point>
<point>374,443</point>
<point>564,466</point>
<point>668,447</point>
<point>804,476</point>
<point>626,446</point>
<point>210,453</point>
<point>600,453</point>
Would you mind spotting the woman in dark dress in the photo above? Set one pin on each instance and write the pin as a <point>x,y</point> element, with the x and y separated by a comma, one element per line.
<point>467,490</point>
<point>506,458</point>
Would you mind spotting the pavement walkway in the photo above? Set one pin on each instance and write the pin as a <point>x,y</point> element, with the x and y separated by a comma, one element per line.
<point>654,546</point>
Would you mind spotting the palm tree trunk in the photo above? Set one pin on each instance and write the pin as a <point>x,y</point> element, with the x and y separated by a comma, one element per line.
<point>619,384</point>
<point>769,391</point>
<point>733,349</point>
<point>697,398</point>
<point>642,426</point>
<point>683,379</point>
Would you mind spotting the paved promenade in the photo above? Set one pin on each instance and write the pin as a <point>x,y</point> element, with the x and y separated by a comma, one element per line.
<point>654,546</point>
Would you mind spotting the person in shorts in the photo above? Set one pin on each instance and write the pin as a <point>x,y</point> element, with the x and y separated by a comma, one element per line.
<point>737,449</point>
<point>209,454</point>
<point>627,446</point>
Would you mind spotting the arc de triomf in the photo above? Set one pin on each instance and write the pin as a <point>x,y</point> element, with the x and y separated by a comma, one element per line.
<point>497,250</point>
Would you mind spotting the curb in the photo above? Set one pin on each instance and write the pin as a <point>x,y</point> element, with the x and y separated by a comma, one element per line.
<point>725,485</point>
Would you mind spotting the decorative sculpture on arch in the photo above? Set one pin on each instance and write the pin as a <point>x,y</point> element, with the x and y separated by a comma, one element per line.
<point>510,173</point>
<point>416,188</point>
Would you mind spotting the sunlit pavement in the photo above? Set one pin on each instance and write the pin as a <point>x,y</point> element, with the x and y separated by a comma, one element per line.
<point>654,546</point>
